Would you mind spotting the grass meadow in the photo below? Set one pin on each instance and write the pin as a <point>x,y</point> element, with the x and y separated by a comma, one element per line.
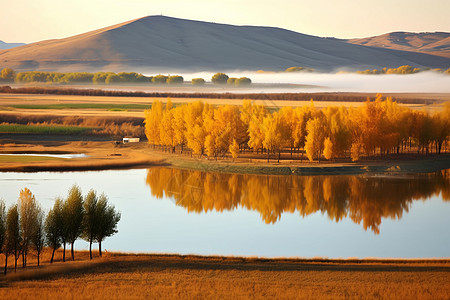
<point>119,276</point>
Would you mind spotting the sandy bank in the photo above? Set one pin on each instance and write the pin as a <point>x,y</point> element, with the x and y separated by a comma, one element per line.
<point>105,155</point>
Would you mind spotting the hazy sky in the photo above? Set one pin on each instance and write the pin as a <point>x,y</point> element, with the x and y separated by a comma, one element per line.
<point>34,20</point>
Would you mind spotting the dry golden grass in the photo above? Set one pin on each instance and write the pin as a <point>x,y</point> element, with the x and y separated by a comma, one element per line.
<point>23,99</point>
<point>121,276</point>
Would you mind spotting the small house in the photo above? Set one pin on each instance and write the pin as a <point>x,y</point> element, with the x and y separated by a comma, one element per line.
<point>130,140</point>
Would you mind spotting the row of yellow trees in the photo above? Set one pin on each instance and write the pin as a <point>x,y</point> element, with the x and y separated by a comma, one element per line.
<point>376,128</point>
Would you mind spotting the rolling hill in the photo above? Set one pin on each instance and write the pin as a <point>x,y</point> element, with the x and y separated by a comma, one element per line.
<point>436,43</point>
<point>161,44</point>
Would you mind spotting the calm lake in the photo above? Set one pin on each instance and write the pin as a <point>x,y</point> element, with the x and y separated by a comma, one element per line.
<point>166,210</point>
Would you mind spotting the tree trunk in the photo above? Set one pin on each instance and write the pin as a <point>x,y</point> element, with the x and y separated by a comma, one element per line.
<point>53,255</point>
<point>64,252</point>
<point>71,250</point>
<point>100,248</point>
<point>23,260</point>
<point>90,248</point>
<point>16,257</point>
<point>6,263</point>
<point>38,255</point>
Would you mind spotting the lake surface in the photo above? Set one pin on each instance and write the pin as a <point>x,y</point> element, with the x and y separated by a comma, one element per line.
<point>166,210</point>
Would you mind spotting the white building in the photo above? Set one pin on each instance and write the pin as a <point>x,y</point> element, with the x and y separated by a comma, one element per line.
<point>130,140</point>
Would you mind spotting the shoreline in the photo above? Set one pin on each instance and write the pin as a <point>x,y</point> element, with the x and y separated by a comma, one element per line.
<point>107,156</point>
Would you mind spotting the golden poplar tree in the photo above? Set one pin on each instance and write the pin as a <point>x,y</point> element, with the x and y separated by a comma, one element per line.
<point>316,129</point>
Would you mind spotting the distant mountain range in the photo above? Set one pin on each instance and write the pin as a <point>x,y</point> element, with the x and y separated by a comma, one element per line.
<point>4,45</point>
<point>163,44</point>
<point>436,43</point>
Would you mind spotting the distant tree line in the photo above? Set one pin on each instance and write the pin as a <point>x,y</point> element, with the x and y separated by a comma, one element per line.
<point>251,96</point>
<point>110,78</point>
<point>380,127</point>
<point>403,70</point>
<point>299,69</point>
<point>24,227</point>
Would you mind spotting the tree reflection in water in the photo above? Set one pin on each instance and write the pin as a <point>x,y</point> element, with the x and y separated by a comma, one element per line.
<point>360,198</point>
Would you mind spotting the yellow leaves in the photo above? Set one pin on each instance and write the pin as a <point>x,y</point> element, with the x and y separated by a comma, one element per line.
<point>355,151</point>
<point>328,148</point>
<point>315,139</point>
<point>153,119</point>
<point>378,127</point>
<point>234,149</point>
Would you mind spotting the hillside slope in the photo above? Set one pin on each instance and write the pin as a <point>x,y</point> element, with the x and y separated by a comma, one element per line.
<point>159,43</point>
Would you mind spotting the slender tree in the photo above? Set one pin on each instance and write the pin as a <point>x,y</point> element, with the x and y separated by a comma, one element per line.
<point>28,210</point>
<point>107,219</point>
<point>13,238</point>
<point>54,227</point>
<point>38,238</point>
<point>90,220</point>
<point>3,229</point>
<point>73,216</point>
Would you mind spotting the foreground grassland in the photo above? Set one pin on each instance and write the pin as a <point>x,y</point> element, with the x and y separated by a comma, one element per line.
<point>120,276</point>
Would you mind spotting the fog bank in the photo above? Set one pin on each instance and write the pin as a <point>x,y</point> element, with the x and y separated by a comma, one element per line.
<point>424,82</point>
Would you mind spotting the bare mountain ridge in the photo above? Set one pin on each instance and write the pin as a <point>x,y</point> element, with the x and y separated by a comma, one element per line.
<point>159,43</point>
<point>4,45</point>
<point>436,43</point>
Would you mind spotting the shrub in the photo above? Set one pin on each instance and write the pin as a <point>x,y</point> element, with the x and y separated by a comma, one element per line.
<point>219,78</point>
<point>175,79</point>
<point>198,81</point>
<point>113,78</point>
<point>159,79</point>
<point>7,74</point>
<point>243,81</point>
<point>100,77</point>
<point>231,81</point>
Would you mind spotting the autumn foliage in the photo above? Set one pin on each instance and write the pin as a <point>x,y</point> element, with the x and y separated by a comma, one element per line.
<point>380,127</point>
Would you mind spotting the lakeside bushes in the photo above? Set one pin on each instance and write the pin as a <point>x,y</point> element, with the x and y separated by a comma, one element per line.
<point>25,227</point>
<point>378,128</point>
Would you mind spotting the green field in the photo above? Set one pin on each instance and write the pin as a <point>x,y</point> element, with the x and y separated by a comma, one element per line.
<point>45,129</point>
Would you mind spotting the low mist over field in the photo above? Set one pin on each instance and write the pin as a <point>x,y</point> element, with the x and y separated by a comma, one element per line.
<point>424,82</point>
